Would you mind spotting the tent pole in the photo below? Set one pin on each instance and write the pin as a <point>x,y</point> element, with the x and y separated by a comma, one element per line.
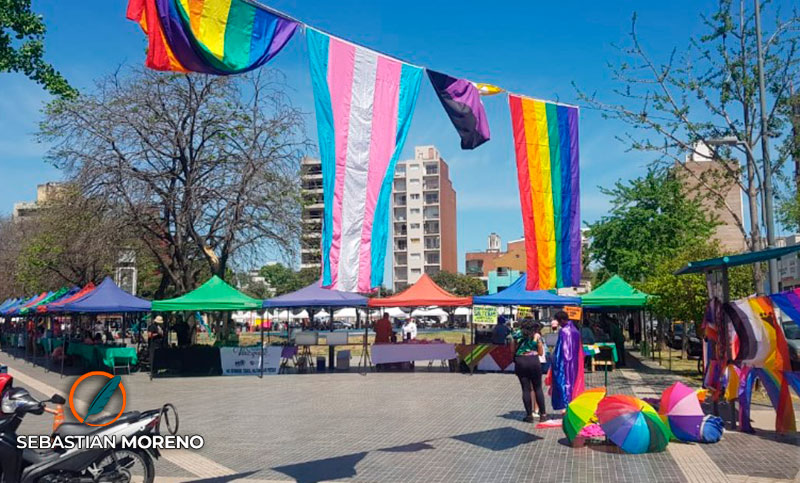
<point>261,376</point>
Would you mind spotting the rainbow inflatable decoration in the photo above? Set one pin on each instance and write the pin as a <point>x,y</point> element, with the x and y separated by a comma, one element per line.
<point>546,147</point>
<point>219,37</point>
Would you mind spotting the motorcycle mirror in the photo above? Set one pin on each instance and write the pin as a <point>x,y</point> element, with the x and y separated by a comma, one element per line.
<point>57,399</point>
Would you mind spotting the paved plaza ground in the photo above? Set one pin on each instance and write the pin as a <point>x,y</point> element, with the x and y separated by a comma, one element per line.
<point>403,427</point>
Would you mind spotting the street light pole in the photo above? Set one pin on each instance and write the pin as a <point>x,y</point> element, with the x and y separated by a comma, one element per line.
<point>768,211</point>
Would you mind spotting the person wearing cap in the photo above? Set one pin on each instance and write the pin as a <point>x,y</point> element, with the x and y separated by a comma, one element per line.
<point>501,331</point>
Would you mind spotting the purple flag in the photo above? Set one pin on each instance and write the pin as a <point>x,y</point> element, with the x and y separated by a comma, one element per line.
<point>462,102</point>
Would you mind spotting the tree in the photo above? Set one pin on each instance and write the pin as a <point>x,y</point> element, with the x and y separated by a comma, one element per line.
<point>459,284</point>
<point>676,106</point>
<point>22,47</point>
<point>283,279</point>
<point>205,168</point>
<point>684,297</point>
<point>70,240</point>
<point>789,206</point>
<point>651,219</point>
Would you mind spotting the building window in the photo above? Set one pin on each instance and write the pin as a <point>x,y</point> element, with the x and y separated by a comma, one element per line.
<point>414,240</point>
<point>414,226</point>
<point>416,271</point>
<point>415,256</point>
<point>413,167</point>
<point>414,181</point>
<point>414,196</point>
<point>414,211</point>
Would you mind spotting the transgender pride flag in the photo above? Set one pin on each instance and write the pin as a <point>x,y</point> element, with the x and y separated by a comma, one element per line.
<point>364,102</point>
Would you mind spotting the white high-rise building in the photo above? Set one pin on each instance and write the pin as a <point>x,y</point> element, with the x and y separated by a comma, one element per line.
<point>423,218</point>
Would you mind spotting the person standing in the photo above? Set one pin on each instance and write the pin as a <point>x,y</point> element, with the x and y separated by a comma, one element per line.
<point>501,331</point>
<point>567,363</point>
<point>410,329</point>
<point>528,349</point>
<point>618,337</point>
<point>383,330</point>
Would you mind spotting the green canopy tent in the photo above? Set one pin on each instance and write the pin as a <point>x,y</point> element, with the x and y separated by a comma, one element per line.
<point>213,296</point>
<point>615,293</point>
<point>618,295</point>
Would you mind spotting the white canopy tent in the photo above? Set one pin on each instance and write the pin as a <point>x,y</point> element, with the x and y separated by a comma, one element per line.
<point>348,313</point>
<point>322,314</point>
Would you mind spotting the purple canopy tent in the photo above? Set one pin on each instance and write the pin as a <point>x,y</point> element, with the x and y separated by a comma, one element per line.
<point>316,296</point>
<point>107,298</point>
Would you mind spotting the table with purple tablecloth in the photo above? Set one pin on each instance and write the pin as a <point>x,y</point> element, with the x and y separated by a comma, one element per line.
<point>391,353</point>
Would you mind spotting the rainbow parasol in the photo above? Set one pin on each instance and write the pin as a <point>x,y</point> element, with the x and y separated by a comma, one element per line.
<point>580,411</point>
<point>632,424</point>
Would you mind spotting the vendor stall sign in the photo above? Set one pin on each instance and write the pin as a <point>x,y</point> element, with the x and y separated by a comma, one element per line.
<point>524,313</point>
<point>574,313</point>
<point>244,361</point>
<point>484,314</point>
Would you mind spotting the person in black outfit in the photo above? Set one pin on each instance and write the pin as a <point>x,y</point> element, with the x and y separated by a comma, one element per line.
<point>528,368</point>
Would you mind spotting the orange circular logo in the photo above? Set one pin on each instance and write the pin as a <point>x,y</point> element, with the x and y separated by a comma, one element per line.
<point>97,397</point>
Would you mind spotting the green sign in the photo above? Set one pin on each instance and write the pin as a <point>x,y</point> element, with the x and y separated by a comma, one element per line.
<point>484,314</point>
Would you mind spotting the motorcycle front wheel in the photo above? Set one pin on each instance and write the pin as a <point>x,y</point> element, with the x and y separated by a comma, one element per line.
<point>127,466</point>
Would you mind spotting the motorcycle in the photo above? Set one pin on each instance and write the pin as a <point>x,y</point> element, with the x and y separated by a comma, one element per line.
<point>77,465</point>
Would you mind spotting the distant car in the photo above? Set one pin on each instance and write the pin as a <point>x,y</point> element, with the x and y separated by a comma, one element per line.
<point>675,340</point>
<point>340,324</point>
<point>792,332</point>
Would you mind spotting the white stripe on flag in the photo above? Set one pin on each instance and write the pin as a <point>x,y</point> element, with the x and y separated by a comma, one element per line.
<point>357,168</point>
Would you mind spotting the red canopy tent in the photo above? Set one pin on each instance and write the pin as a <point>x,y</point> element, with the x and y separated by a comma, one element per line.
<point>422,294</point>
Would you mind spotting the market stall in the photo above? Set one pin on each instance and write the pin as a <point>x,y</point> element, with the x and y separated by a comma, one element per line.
<point>213,296</point>
<point>106,298</point>
<point>617,295</point>
<point>424,293</point>
<point>315,297</point>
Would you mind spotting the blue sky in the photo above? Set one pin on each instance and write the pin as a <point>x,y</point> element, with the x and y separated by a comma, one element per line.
<point>533,48</point>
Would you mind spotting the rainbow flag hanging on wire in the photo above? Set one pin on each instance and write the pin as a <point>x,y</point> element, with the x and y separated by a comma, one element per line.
<point>364,103</point>
<point>209,36</point>
<point>546,147</point>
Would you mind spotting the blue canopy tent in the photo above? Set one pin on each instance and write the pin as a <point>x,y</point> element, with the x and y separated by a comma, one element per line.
<point>516,294</point>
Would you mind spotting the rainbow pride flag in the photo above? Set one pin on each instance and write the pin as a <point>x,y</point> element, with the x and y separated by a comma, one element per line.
<point>364,102</point>
<point>219,37</point>
<point>546,147</point>
<point>789,303</point>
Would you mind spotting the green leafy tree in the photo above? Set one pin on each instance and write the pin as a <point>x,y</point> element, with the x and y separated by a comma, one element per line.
<point>651,219</point>
<point>283,279</point>
<point>684,297</point>
<point>22,47</point>
<point>459,284</point>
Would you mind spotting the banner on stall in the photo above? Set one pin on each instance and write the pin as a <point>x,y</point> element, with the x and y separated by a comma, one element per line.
<point>246,361</point>
<point>524,312</point>
<point>484,314</point>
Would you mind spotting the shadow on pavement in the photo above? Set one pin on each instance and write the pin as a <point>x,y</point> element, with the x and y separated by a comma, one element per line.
<point>499,439</point>
<point>408,448</point>
<point>513,415</point>
<point>324,469</point>
<point>224,479</point>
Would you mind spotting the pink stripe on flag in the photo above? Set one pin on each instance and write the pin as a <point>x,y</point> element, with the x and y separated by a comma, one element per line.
<point>341,59</point>
<point>382,145</point>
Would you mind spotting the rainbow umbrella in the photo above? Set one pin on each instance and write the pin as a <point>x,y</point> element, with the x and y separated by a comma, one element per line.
<point>580,411</point>
<point>632,424</point>
<point>680,408</point>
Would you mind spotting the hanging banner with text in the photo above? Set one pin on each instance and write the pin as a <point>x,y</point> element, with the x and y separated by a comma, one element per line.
<point>484,314</point>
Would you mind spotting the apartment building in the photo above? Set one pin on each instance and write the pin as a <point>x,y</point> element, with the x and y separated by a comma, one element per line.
<point>700,167</point>
<point>423,218</point>
<point>313,204</point>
